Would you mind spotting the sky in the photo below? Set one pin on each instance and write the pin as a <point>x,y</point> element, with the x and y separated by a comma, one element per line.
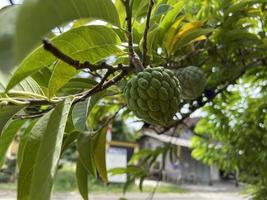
<point>3,3</point>
<point>6,2</point>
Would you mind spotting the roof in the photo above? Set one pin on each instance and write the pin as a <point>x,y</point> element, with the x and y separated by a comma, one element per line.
<point>168,139</point>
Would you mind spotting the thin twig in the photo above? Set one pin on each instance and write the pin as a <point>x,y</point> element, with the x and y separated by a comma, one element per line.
<point>151,3</point>
<point>31,116</point>
<point>109,120</point>
<point>102,86</point>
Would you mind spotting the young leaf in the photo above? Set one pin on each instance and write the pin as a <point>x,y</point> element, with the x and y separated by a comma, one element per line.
<point>7,136</point>
<point>7,113</point>
<point>37,17</point>
<point>82,179</point>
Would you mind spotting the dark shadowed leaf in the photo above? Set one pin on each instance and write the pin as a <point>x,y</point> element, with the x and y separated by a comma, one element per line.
<point>82,179</point>
<point>7,136</point>
<point>100,154</point>
<point>6,113</point>
<point>86,154</point>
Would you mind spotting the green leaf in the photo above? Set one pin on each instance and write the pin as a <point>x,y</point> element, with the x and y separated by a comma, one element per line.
<point>49,152</point>
<point>86,43</point>
<point>238,36</point>
<point>80,114</point>
<point>7,32</point>
<point>37,17</point>
<point>23,142</point>
<point>41,154</point>
<point>171,15</point>
<point>7,136</point>
<point>7,113</point>
<point>242,5</point>
<point>3,81</point>
<point>27,154</point>
<point>169,36</point>
<point>82,179</point>
<point>77,85</point>
<point>92,119</point>
<point>121,11</point>
<point>28,88</point>
<point>85,150</point>
<point>100,154</point>
<point>81,111</point>
<point>131,170</point>
<point>61,75</point>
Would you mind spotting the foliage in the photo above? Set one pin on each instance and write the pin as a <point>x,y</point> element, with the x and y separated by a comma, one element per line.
<point>67,89</point>
<point>235,130</point>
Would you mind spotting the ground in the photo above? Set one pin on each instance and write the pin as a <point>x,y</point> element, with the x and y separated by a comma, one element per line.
<point>197,192</point>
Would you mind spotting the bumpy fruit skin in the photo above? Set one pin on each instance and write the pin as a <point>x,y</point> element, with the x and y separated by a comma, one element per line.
<point>153,95</point>
<point>192,81</point>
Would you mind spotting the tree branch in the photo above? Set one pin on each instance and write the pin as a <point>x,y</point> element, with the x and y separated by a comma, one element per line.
<point>134,61</point>
<point>11,2</point>
<point>103,84</point>
<point>128,9</point>
<point>48,46</point>
<point>151,3</point>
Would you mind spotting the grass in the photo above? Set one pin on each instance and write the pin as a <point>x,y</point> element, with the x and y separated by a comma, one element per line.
<point>66,181</point>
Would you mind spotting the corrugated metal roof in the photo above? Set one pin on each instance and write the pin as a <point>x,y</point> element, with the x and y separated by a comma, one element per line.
<point>169,139</point>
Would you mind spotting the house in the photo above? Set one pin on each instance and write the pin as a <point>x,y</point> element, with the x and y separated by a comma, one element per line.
<point>183,168</point>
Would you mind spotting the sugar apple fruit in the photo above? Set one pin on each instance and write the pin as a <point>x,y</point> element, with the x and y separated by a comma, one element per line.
<point>192,81</point>
<point>153,95</point>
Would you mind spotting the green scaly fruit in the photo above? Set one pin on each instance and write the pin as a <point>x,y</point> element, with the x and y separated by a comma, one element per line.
<point>192,81</point>
<point>153,95</point>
